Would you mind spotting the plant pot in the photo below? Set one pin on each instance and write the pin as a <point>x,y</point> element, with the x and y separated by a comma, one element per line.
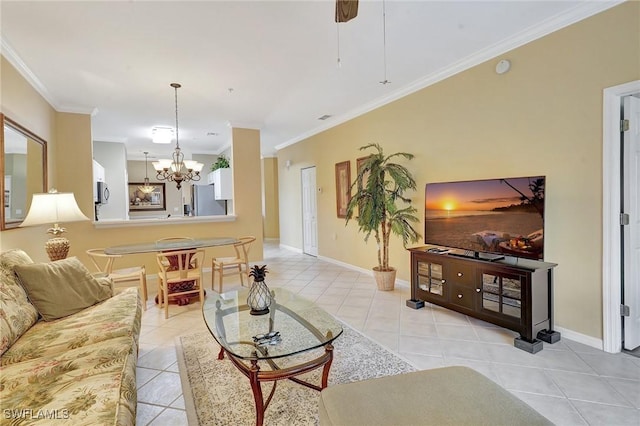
<point>386,280</point>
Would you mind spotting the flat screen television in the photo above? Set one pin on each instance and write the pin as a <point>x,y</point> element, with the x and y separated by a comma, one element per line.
<point>504,217</point>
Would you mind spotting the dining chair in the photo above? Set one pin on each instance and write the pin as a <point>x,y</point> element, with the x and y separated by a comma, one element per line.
<point>179,274</point>
<point>104,264</point>
<point>238,265</point>
<point>174,239</point>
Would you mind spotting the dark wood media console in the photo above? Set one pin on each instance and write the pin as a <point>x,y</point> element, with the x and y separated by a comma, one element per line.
<point>513,293</point>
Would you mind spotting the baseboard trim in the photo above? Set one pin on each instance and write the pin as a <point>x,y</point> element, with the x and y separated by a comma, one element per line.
<point>369,272</point>
<point>594,342</point>
<point>346,265</point>
<point>291,248</point>
<point>565,332</point>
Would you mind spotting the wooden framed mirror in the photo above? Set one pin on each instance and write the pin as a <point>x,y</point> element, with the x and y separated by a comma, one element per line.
<point>23,167</point>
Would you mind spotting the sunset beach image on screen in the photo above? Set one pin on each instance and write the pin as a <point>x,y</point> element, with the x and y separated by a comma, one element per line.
<point>503,215</point>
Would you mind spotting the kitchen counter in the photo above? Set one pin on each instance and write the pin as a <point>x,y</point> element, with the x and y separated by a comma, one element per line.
<point>172,220</point>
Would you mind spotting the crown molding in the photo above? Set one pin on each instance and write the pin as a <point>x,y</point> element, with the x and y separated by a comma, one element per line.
<point>559,21</point>
<point>14,59</point>
<point>244,125</point>
<point>224,147</point>
<point>547,27</point>
<point>78,110</point>
<point>10,54</point>
<point>114,139</point>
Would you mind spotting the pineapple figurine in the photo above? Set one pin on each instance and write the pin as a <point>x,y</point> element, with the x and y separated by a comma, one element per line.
<point>259,298</point>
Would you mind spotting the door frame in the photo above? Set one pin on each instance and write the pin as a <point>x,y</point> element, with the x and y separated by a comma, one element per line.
<point>611,199</point>
<point>313,192</point>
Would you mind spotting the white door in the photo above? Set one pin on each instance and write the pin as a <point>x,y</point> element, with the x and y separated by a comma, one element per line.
<point>631,232</point>
<point>309,212</point>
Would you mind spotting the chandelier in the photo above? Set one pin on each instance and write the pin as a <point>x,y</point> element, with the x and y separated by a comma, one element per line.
<point>177,169</point>
<point>146,188</point>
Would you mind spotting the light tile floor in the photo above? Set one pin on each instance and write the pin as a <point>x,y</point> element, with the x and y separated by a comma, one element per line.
<point>569,383</point>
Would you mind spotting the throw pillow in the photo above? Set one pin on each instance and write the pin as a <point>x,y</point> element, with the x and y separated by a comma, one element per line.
<point>61,288</point>
<point>17,315</point>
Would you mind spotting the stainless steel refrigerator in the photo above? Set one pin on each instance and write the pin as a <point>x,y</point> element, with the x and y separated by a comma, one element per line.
<point>203,202</point>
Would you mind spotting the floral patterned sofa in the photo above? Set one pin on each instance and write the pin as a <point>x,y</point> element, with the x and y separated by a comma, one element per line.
<point>78,370</point>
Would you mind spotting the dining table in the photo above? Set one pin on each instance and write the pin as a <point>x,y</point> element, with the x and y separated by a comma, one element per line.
<point>171,244</point>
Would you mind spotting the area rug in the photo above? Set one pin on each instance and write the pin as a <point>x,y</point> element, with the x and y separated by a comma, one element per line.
<point>216,393</point>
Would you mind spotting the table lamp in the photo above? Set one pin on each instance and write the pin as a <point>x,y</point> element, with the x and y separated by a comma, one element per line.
<point>54,207</point>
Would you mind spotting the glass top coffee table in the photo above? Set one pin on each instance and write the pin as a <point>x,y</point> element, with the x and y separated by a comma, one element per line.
<point>282,338</point>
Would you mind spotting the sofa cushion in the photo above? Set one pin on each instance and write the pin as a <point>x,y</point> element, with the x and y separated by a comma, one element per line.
<point>91,385</point>
<point>61,288</point>
<point>117,316</point>
<point>454,396</point>
<point>16,313</point>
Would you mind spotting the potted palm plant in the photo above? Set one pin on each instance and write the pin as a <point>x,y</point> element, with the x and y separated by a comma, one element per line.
<point>377,190</point>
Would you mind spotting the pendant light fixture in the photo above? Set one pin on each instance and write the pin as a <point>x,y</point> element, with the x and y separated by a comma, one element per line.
<point>177,169</point>
<point>146,188</point>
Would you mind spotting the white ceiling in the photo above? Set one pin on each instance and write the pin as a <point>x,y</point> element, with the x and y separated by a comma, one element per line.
<point>270,65</point>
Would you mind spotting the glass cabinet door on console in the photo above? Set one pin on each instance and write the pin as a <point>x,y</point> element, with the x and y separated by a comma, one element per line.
<point>502,293</point>
<point>430,279</point>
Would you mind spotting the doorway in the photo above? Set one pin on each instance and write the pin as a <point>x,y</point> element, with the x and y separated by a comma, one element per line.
<point>631,223</point>
<point>618,283</point>
<point>309,212</point>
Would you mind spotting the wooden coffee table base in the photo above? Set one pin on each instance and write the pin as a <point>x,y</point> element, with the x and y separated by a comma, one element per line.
<point>257,376</point>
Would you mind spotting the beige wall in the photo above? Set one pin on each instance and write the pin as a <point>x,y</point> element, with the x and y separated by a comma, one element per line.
<point>544,117</point>
<point>270,209</point>
<point>247,181</point>
<point>70,169</point>
<point>73,168</point>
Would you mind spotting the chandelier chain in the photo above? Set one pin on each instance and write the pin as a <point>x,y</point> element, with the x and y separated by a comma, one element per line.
<point>175,87</point>
<point>146,175</point>
<point>384,42</point>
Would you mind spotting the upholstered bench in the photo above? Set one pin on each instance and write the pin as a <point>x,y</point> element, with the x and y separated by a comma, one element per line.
<point>443,396</point>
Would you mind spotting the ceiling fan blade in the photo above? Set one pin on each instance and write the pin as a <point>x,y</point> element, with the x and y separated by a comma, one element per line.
<point>346,10</point>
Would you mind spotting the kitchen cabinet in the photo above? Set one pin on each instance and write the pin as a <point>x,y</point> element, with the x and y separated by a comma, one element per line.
<point>222,181</point>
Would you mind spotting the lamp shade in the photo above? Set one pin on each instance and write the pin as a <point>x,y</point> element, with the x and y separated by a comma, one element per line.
<point>161,165</point>
<point>53,207</point>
